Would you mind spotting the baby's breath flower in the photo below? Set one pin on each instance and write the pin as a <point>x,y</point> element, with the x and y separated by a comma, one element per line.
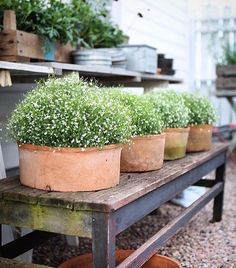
<point>201,109</point>
<point>170,106</point>
<point>145,119</point>
<point>69,112</point>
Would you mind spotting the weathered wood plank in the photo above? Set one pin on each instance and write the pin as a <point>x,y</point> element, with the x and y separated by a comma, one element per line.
<point>228,93</point>
<point>9,20</point>
<point>7,184</point>
<point>226,70</point>
<point>226,83</point>
<point>23,194</point>
<point>26,68</point>
<point>46,218</point>
<point>7,263</point>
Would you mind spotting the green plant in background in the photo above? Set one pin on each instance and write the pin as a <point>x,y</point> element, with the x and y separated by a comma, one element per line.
<point>145,120</point>
<point>170,106</point>
<point>201,110</point>
<point>69,112</point>
<point>229,54</point>
<point>95,26</point>
<point>55,20</point>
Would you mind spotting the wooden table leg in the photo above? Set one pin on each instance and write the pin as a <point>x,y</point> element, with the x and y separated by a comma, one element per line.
<point>103,241</point>
<point>218,201</point>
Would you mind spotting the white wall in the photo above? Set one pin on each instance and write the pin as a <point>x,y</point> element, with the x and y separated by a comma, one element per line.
<point>164,25</point>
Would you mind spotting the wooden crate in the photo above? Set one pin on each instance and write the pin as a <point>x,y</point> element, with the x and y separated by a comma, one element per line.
<point>20,46</point>
<point>226,77</point>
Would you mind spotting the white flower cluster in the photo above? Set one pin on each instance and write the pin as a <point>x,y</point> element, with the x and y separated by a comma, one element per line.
<point>69,112</point>
<point>170,106</point>
<point>145,119</point>
<point>201,109</point>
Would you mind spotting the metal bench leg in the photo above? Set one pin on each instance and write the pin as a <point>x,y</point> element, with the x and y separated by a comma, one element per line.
<point>218,201</point>
<point>103,241</point>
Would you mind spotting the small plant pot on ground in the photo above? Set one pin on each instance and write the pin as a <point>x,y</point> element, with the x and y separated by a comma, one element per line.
<point>176,143</point>
<point>69,169</point>
<point>157,261</point>
<point>145,153</point>
<point>200,138</point>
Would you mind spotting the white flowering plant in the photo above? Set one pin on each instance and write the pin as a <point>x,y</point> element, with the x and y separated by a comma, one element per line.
<point>201,109</point>
<point>69,112</point>
<point>170,106</point>
<point>145,119</point>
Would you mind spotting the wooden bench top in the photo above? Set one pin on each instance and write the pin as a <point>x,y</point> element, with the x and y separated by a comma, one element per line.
<point>131,187</point>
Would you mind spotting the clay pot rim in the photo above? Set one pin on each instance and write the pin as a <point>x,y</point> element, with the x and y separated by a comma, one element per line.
<point>184,129</point>
<point>169,259</point>
<point>149,137</point>
<point>201,126</point>
<point>129,251</point>
<point>33,147</point>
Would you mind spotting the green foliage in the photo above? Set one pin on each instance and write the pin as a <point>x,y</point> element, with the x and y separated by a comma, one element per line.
<point>95,27</point>
<point>69,112</point>
<point>201,109</point>
<point>52,20</point>
<point>67,22</point>
<point>170,106</point>
<point>145,119</point>
<point>229,54</point>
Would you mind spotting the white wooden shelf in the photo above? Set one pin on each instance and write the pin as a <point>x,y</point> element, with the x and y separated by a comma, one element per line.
<point>225,93</point>
<point>23,73</point>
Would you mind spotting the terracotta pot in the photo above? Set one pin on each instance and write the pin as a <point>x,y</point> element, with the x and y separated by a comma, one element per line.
<point>176,143</point>
<point>143,154</point>
<point>69,169</point>
<point>199,138</point>
<point>157,261</point>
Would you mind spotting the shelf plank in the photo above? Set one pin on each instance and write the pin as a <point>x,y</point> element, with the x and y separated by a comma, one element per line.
<point>23,68</point>
<point>225,93</point>
<point>22,72</point>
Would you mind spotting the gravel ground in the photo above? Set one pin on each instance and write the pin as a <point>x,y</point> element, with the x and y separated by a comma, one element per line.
<point>200,244</point>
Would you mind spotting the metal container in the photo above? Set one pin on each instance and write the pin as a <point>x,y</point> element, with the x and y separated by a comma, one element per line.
<point>92,57</point>
<point>141,58</point>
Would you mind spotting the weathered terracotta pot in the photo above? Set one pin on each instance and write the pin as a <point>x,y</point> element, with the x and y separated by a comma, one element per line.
<point>157,261</point>
<point>69,169</point>
<point>176,143</point>
<point>199,138</point>
<point>143,154</point>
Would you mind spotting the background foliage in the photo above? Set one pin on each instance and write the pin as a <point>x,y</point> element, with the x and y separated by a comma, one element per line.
<point>74,22</point>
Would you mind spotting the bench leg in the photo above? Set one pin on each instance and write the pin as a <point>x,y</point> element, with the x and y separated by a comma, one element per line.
<point>218,201</point>
<point>103,241</point>
<point>0,240</point>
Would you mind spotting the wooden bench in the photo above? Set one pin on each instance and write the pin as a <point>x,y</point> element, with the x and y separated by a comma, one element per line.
<point>103,214</point>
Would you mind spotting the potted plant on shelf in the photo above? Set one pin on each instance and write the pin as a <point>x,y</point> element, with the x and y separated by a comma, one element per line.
<point>96,29</point>
<point>69,136</point>
<point>37,30</point>
<point>226,70</point>
<point>175,115</point>
<point>145,151</point>
<point>201,117</point>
